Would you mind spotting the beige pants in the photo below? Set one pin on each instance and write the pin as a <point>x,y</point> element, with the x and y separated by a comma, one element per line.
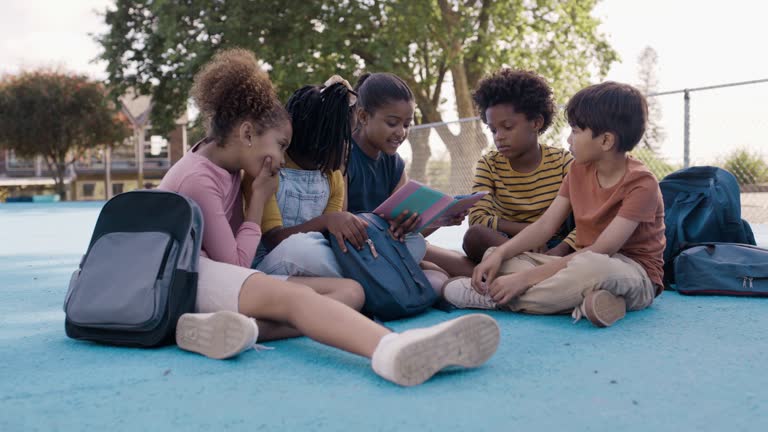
<point>586,272</point>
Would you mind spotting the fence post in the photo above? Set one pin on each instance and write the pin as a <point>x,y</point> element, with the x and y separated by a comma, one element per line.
<point>687,130</point>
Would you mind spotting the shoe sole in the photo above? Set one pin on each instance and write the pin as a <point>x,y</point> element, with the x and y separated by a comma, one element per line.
<point>219,336</point>
<point>468,341</point>
<point>603,309</point>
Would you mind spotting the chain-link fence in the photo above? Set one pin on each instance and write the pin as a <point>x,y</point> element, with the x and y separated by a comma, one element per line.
<point>721,130</point>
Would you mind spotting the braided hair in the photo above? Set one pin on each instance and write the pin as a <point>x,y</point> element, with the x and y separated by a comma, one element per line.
<point>321,130</point>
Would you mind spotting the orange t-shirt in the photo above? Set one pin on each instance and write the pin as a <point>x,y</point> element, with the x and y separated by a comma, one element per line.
<point>636,197</point>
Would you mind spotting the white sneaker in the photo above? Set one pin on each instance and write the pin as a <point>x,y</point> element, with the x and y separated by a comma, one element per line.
<point>459,292</point>
<point>217,335</point>
<point>412,357</point>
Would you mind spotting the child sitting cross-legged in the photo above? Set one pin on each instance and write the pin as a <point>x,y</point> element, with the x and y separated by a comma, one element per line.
<point>619,216</point>
<point>522,176</point>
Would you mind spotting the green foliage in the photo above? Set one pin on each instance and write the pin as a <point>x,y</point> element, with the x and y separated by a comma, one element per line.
<point>56,115</point>
<point>749,168</point>
<point>157,46</point>
<point>656,164</point>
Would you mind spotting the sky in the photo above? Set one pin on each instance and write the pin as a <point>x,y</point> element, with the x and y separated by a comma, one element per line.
<point>699,43</point>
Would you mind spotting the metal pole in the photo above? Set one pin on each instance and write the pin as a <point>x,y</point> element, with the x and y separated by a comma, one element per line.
<point>184,139</point>
<point>140,160</point>
<point>687,130</point>
<point>108,172</point>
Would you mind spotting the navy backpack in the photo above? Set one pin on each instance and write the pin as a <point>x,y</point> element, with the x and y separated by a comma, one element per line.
<point>394,284</point>
<point>722,269</point>
<point>702,204</point>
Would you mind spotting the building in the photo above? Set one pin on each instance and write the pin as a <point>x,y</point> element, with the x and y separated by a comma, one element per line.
<point>102,172</point>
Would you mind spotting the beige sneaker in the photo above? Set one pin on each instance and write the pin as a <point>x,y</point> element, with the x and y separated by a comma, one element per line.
<point>414,356</point>
<point>217,335</point>
<point>458,291</point>
<point>602,308</point>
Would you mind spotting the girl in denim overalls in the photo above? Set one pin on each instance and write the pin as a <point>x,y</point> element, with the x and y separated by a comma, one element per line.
<point>311,193</point>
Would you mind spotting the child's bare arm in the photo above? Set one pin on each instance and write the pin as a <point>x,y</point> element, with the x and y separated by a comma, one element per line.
<point>511,228</point>
<point>532,236</point>
<point>537,233</point>
<point>615,235</point>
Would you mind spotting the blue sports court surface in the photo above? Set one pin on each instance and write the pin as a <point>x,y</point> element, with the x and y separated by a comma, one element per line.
<point>687,363</point>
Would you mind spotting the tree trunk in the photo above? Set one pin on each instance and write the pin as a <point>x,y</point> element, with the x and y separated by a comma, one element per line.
<point>57,169</point>
<point>61,173</point>
<point>466,147</point>
<point>461,87</point>
<point>419,139</point>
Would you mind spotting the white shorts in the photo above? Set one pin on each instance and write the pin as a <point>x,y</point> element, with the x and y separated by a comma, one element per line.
<point>219,284</point>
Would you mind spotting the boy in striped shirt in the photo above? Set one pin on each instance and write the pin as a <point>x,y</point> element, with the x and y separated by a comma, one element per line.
<point>522,176</point>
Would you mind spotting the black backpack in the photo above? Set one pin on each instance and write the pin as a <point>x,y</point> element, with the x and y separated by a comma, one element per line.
<point>139,274</point>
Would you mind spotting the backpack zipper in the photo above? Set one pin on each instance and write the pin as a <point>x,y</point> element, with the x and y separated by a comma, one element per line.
<point>372,248</point>
<point>746,279</point>
<point>167,252</point>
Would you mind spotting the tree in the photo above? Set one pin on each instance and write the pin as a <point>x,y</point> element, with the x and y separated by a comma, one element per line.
<point>749,168</point>
<point>658,166</point>
<point>56,115</point>
<point>157,47</point>
<point>647,63</point>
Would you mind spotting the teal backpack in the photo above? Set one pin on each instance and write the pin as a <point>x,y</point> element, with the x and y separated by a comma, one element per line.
<point>394,284</point>
<point>702,204</point>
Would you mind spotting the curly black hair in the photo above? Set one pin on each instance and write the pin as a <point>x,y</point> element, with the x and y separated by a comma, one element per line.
<point>526,91</point>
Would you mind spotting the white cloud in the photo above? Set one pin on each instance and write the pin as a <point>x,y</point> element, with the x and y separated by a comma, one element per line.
<point>51,33</point>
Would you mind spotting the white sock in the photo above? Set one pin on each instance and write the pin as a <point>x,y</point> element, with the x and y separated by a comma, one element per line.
<point>381,363</point>
<point>383,341</point>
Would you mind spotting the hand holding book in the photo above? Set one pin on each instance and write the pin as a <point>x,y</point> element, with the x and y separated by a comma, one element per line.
<point>431,207</point>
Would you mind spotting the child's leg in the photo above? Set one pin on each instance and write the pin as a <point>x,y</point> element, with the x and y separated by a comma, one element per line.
<point>345,291</point>
<point>272,330</point>
<point>571,289</point>
<point>435,275</point>
<point>453,262</point>
<point>316,316</point>
<point>459,292</point>
<point>587,272</point>
<point>478,239</point>
<point>407,358</point>
<point>302,254</point>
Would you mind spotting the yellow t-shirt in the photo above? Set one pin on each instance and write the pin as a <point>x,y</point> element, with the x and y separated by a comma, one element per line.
<point>515,196</point>
<point>272,218</point>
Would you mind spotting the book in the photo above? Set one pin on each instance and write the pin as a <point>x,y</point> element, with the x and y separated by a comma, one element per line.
<point>435,208</point>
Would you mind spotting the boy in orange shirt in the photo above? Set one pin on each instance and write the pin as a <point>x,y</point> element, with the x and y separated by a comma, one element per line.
<point>619,216</point>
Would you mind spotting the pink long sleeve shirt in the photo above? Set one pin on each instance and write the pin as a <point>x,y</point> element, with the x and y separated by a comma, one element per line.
<point>226,237</point>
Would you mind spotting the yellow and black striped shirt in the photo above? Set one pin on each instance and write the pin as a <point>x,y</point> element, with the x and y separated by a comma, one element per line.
<point>515,196</point>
